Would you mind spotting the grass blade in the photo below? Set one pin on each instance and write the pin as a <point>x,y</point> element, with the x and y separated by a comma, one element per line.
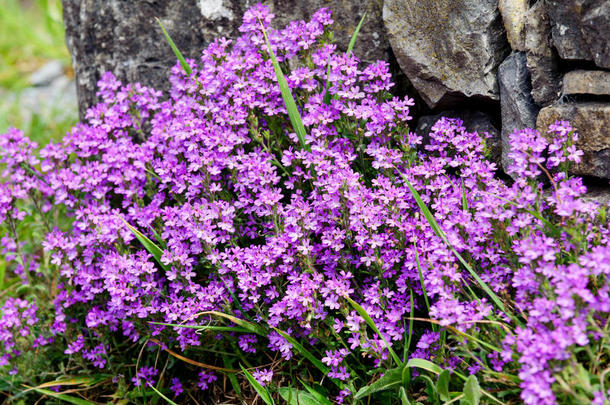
<point>421,280</point>
<point>350,47</point>
<point>352,40</point>
<point>391,378</point>
<point>264,394</point>
<point>439,232</point>
<point>228,363</point>
<point>327,96</point>
<point>293,396</point>
<point>424,365</point>
<point>306,353</point>
<point>408,340</point>
<point>291,105</point>
<point>240,322</point>
<point>319,397</point>
<point>403,396</point>
<point>205,327</point>
<point>362,312</point>
<point>161,395</point>
<point>177,52</point>
<point>148,244</point>
<point>63,397</point>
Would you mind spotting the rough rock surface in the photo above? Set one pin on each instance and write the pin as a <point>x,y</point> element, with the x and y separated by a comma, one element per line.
<point>474,121</point>
<point>449,49</point>
<point>581,29</point>
<point>592,122</point>
<point>596,82</point>
<point>542,59</point>
<point>517,105</point>
<point>123,36</point>
<point>513,14</point>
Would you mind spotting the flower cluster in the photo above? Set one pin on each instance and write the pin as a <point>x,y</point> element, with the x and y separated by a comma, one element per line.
<point>205,209</point>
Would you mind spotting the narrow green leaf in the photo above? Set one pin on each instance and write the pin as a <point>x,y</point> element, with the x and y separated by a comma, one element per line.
<point>205,327</point>
<point>423,286</point>
<point>472,390</point>
<point>439,232</point>
<point>63,397</point>
<point>262,391</point>
<point>352,40</point>
<point>291,105</point>
<point>318,396</point>
<point>293,396</point>
<point>148,244</point>
<point>407,346</point>
<point>2,273</point>
<point>350,47</point>
<point>161,395</point>
<point>404,399</point>
<point>308,355</point>
<point>464,199</point>
<point>228,363</point>
<point>240,322</point>
<point>442,385</point>
<point>424,365</point>
<point>362,312</point>
<point>391,379</point>
<point>327,96</point>
<point>177,52</point>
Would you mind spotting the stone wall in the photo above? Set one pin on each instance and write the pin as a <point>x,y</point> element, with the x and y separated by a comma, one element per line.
<point>499,64</point>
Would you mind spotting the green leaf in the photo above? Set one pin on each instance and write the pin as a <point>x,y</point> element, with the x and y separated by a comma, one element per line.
<point>308,355</point>
<point>205,327</point>
<point>162,396</point>
<point>293,396</point>
<point>291,105</point>
<point>362,312</point>
<point>439,232</point>
<point>63,397</point>
<point>423,286</point>
<point>262,391</point>
<point>177,52</point>
<point>318,396</point>
<point>2,273</point>
<point>327,96</point>
<point>352,40</point>
<point>391,379</point>
<point>408,340</point>
<point>424,365</point>
<point>240,322</point>
<point>228,363</point>
<point>148,244</point>
<point>404,399</point>
<point>350,47</point>
<point>442,385</point>
<point>472,390</point>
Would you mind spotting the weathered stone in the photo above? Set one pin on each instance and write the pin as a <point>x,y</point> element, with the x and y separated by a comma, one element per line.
<point>449,49</point>
<point>474,121</point>
<point>542,59</point>
<point>513,14</point>
<point>595,82</point>
<point>123,36</point>
<point>581,29</point>
<point>517,105</point>
<point>47,73</point>
<point>600,195</point>
<point>592,122</point>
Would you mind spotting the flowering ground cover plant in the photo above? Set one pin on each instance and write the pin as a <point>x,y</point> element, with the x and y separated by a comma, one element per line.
<point>274,232</point>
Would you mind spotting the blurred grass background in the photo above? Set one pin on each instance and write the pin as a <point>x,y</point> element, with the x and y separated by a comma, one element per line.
<point>32,35</point>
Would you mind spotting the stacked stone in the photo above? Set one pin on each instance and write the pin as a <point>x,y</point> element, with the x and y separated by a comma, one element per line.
<point>501,65</point>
